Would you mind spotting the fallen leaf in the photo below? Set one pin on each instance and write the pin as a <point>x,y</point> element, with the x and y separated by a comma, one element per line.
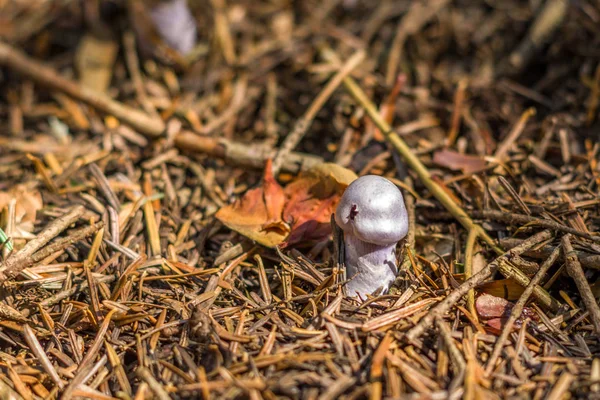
<point>257,215</point>
<point>495,325</point>
<point>455,161</point>
<point>505,288</point>
<point>300,213</point>
<point>311,199</point>
<point>489,306</point>
<point>496,311</point>
<point>27,203</point>
<point>94,60</point>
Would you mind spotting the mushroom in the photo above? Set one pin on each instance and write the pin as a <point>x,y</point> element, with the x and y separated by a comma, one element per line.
<point>176,25</point>
<point>373,217</point>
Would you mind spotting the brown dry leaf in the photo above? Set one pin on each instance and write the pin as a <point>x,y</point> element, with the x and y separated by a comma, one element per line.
<point>94,59</point>
<point>489,306</point>
<point>311,199</point>
<point>497,310</point>
<point>301,213</point>
<point>28,202</point>
<point>458,162</point>
<point>257,215</point>
<point>505,288</point>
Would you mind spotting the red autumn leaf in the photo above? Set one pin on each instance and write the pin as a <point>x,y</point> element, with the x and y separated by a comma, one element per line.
<point>308,215</point>
<point>257,214</point>
<point>458,162</point>
<point>301,213</point>
<point>496,325</point>
<point>489,306</point>
<point>497,310</point>
<point>311,199</point>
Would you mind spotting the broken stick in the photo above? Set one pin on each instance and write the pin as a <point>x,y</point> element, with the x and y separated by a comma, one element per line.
<point>576,272</point>
<point>17,262</point>
<point>46,76</point>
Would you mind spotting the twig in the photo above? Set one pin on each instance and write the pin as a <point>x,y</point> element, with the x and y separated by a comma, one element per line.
<point>63,243</point>
<point>81,377</point>
<point>443,306</point>
<point>98,340</point>
<point>10,314</point>
<point>104,186</point>
<point>576,272</point>
<point>417,16</point>
<point>587,260</point>
<point>518,309</point>
<point>512,218</point>
<point>559,391</point>
<point>241,97</point>
<point>50,301</point>
<point>507,269</point>
<point>457,112</point>
<point>469,249</point>
<point>514,134</point>
<point>302,125</point>
<point>145,374</point>
<point>457,358</point>
<point>44,75</point>
<point>242,154</point>
<point>17,262</point>
<point>133,65</point>
<point>411,159</point>
<point>223,31</point>
<point>548,21</point>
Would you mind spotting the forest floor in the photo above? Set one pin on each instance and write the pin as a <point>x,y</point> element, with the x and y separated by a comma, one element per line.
<point>167,180</point>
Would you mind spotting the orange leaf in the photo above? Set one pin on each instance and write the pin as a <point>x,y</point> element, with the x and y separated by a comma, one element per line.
<point>311,199</point>
<point>301,213</point>
<point>29,201</point>
<point>257,214</point>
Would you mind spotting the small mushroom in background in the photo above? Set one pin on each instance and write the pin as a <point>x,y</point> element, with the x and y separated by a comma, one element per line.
<point>373,217</point>
<point>175,24</point>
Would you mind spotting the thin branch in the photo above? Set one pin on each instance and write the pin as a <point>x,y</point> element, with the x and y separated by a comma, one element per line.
<point>576,272</point>
<point>444,306</point>
<point>518,308</point>
<point>18,261</point>
<point>44,75</point>
<point>302,125</point>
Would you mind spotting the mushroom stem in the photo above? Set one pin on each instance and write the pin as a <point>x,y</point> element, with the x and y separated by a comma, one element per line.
<point>369,266</point>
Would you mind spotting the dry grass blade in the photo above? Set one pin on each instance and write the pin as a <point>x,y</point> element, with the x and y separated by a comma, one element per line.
<point>40,354</point>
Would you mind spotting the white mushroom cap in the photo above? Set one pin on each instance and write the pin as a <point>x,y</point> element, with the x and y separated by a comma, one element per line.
<point>372,209</point>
